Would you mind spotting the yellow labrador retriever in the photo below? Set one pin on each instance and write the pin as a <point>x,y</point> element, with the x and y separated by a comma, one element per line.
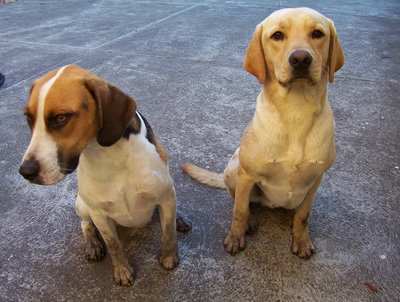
<point>290,143</point>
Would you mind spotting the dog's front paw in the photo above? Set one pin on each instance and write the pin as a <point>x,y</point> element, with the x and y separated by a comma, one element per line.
<point>182,225</point>
<point>94,249</point>
<point>168,260</point>
<point>234,244</point>
<point>123,275</point>
<point>303,248</point>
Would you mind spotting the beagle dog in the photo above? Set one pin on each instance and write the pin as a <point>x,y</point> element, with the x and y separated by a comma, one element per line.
<point>123,174</point>
<point>289,144</point>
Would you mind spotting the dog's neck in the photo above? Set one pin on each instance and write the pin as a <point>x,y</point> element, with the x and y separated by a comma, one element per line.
<point>137,143</point>
<point>285,97</point>
<point>296,104</point>
<point>291,112</point>
<point>95,156</point>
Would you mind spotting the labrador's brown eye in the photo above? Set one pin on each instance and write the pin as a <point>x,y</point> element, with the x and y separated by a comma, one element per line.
<point>278,36</point>
<point>317,34</point>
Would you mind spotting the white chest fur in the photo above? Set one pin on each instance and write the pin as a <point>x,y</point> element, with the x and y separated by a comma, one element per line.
<point>124,181</point>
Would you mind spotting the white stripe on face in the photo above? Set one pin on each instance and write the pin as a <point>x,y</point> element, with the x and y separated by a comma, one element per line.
<point>143,128</point>
<point>42,146</point>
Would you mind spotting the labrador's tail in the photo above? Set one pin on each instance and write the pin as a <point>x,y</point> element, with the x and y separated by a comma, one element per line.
<point>204,176</point>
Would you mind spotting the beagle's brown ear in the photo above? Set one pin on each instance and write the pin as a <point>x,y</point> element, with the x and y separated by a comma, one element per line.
<point>115,109</point>
<point>336,54</point>
<point>32,86</point>
<point>254,60</point>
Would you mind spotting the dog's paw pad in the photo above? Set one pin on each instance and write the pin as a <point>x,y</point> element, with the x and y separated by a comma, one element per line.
<point>168,262</point>
<point>123,275</point>
<point>234,244</point>
<point>94,250</point>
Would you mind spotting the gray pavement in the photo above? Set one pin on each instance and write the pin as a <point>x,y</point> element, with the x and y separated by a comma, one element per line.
<point>182,62</point>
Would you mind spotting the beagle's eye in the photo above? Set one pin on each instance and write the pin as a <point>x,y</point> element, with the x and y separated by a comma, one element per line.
<point>61,118</point>
<point>278,36</point>
<point>59,121</point>
<point>317,34</point>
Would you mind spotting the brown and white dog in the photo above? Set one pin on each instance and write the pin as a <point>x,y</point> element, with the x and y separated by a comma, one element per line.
<point>123,174</point>
<point>289,144</point>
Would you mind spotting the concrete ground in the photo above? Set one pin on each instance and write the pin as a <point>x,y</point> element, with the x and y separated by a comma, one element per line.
<point>182,62</point>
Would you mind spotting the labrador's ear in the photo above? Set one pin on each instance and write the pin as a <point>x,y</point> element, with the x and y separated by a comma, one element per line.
<point>254,60</point>
<point>336,54</point>
<point>115,109</point>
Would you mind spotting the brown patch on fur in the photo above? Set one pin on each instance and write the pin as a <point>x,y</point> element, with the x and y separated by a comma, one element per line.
<point>161,150</point>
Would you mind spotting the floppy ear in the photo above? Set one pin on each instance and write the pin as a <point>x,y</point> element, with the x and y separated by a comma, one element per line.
<point>115,109</point>
<point>336,54</point>
<point>32,86</point>
<point>254,60</point>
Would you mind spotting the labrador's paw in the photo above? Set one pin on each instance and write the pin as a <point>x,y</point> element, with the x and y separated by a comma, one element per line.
<point>234,244</point>
<point>168,260</point>
<point>303,248</point>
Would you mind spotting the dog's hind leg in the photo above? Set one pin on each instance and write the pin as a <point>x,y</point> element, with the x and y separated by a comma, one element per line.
<point>94,247</point>
<point>182,224</point>
<point>168,256</point>
<point>252,221</point>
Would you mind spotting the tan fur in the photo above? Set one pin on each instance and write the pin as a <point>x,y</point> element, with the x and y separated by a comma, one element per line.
<point>161,151</point>
<point>204,176</point>
<point>289,144</point>
<point>336,55</point>
<point>254,61</point>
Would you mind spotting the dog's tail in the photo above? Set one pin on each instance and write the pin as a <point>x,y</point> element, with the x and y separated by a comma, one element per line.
<point>204,176</point>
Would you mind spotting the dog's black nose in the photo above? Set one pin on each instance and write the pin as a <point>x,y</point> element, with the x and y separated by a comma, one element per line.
<point>300,59</point>
<point>29,169</point>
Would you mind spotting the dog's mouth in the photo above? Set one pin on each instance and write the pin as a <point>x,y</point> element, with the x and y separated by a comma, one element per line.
<point>300,74</point>
<point>36,173</point>
<point>301,77</point>
<point>39,180</point>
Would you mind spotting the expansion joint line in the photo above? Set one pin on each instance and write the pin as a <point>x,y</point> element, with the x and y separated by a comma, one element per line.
<point>70,60</point>
<point>147,26</point>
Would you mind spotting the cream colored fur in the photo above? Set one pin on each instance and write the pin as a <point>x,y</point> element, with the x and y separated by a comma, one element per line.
<point>289,144</point>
